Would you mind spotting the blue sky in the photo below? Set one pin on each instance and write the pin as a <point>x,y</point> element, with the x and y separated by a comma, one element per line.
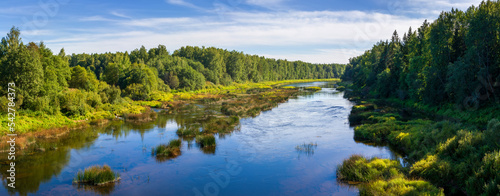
<point>317,31</point>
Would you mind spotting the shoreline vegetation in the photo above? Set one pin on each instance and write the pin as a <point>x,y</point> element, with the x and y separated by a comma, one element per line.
<point>237,100</point>
<point>434,97</point>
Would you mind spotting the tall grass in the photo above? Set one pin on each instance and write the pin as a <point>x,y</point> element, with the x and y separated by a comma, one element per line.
<point>96,175</point>
<point>205,141</point>
<point>171,150</point>
<point>382,177</point>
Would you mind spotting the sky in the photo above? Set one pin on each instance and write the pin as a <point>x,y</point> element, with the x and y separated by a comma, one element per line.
<point>316,31</point>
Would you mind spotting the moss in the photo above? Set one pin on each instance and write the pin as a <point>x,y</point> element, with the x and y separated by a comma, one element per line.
<point>96,175</point>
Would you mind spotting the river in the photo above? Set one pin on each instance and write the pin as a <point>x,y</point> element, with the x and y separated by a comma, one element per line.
<point>293,149</point>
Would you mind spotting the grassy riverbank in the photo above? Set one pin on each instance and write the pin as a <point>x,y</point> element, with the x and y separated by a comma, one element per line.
<point>455,150</point>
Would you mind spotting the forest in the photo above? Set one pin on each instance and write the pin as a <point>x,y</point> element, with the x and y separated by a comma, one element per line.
<point>82,85</point>
<point>453,60</point>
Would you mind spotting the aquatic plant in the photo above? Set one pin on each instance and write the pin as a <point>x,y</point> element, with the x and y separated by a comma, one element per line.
<point>205,141</point>
<point>313,88</point>
<point>188,132</point>
<point>171,150</point>
<point>97,175</point>
<point>306,148</point>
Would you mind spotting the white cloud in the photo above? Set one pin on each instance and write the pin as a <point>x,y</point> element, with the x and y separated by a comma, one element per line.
<point>300,32</point>
<point>121,15</point>
<point>183,3</point>
<point>270,4</point>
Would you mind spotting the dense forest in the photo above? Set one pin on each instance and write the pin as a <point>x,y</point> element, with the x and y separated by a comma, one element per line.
<point>75,84</point>
<point>455,59</point>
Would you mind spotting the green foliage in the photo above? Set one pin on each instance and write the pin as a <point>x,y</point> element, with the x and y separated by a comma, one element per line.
<point>453,59</point>
<point>400,186</point>
<point>96,175</point>
<point>447,154</point>
<point>382,177</point>
<point>360,169</point>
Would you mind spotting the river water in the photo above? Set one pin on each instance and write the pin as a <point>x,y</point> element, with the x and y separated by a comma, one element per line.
<point>293,149</point>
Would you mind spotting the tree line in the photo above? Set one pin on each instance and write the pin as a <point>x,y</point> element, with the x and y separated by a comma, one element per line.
<point>73,84</point>
<point>455,59</point>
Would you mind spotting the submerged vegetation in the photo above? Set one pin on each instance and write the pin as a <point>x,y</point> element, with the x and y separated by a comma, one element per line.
<point>308,149</point>
<point>97,175</point>
<point>382,177</point>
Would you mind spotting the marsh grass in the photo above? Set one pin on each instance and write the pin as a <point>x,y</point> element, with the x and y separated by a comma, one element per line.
<point>444,150</point>
<point>97,175</point>
<point>360,169</point>
<point>187,132</point>
<point>313,88</point>
<point>382,177</point>
<point>205,141</point>
<point>171,150</point>
<point>400,186</point>
<point>147,115</point>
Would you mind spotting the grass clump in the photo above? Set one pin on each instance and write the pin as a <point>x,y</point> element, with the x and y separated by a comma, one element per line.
<point>400,186</point>
<point>205,141</point>
<point>382,177</point>
<point>171,150</point>
<point>188,132</point>
<point>359,169</point>
<point>313,88</point>
<point>97,175</point>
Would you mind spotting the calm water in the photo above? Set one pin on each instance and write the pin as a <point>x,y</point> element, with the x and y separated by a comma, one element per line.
<point>259,158</point>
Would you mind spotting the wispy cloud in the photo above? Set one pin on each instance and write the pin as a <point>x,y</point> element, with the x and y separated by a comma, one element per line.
<point>184,3</point>
<point>97,19</point>
<point>121,15</point>
<point>269,4</point>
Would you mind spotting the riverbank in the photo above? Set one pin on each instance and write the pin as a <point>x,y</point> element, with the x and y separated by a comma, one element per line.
<point>453,149</point>
<point>32,125</point>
